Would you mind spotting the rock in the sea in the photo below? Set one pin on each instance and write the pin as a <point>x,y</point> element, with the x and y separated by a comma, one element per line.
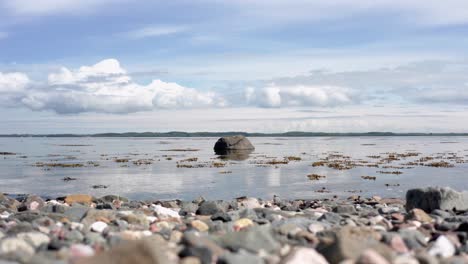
<point>231,143</point>
<point>430,199</point>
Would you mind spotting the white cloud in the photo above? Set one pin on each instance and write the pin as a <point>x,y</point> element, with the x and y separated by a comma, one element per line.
<point>13,82</point>
<point>298,95</point>
<point>45,7</point>
<point>104,87</point>
<point>155,31</point>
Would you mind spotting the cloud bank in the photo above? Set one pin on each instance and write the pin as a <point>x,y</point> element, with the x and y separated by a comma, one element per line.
<point>106,87</point>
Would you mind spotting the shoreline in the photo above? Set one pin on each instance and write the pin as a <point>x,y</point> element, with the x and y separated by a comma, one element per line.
<point>112,229</point>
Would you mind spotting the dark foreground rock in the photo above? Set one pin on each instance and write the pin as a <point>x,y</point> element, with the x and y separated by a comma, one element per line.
<point>80,229</point>
<point>430,199</point>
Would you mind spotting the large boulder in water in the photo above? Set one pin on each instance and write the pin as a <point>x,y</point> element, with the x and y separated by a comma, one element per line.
<point>233,143</point>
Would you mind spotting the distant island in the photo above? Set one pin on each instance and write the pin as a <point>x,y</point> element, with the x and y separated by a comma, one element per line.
<point>223,134</point>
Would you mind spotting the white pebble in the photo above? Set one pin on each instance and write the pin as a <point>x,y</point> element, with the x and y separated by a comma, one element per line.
<point>98,226</point>
<point>442,247</point>
<point>4,215</point>
<point>165,212</point>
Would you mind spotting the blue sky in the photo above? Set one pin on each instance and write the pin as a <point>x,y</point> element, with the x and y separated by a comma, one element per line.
<point>256,65</point>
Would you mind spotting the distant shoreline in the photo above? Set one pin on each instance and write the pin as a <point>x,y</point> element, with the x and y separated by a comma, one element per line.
<point>222,134</point>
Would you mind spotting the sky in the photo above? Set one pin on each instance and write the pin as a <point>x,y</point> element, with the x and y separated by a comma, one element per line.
<point>90,66</point>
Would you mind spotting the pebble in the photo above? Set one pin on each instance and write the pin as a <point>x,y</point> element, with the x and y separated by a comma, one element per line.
<point>244,230</point>
<point>35,238</point>
<point>99,226</point>
<point>164,212</point>
<point>242,223</point>
<point>200,225</point>
<point>442,247</point>
<point>305,256</point>
<point>80,251</point>
<point>79,198</point>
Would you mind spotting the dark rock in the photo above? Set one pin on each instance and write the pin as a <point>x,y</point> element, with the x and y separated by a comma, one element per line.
<point>220,216</point>
<point>332,218</point>
<point>252,239</point>
<point>204,254</point>
<point>430,199</point>
<point>344,209</point>
<point>111,198</point>
<point>212,207</point>
<point>188,208</point>
<point>104,206</point>
<point>232,143</point>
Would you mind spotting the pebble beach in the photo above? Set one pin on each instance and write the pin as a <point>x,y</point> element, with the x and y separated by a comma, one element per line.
<point>429,226</point>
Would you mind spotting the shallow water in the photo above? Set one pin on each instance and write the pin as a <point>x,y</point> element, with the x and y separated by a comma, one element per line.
<point>164,180</point>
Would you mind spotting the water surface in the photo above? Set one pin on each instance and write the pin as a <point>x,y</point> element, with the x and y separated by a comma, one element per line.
<point>163,179</point>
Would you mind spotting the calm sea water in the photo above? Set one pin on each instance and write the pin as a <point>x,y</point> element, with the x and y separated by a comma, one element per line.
<point>164,180</point>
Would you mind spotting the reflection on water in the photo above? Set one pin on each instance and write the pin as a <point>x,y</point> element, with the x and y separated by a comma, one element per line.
<point>238,155</point>
<point>147,168</point>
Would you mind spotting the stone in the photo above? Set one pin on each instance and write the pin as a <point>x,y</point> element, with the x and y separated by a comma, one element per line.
<point>250,203</point>
<point>231,143</point>
<point>190,260</point>
<point>35,238</point>
<point>195,239</point>
<point>419,215</point>
<point>242,256</point>
<point>16,248</point>
<point>163,212</point>
<point>79,198</point>
<point>188,208</point>
<point>98,226</point>
<point>212,207</point>
<point>200,225</point>
<point>76,212</point>
<point>242,223</point>
<point>252,239</point>
<point>314,228</point>
<point>430,199</point>
<point>442,247</point>
<point>34,202</point>
<point>146,251</point>
<point>350,242</point>
<point>202,253</point>
<point>303,255</point>
<point>220,216</point>
<point>344,209</point>
<point>397,244</point>
<point>370,256</point>
<point>81,251</point>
